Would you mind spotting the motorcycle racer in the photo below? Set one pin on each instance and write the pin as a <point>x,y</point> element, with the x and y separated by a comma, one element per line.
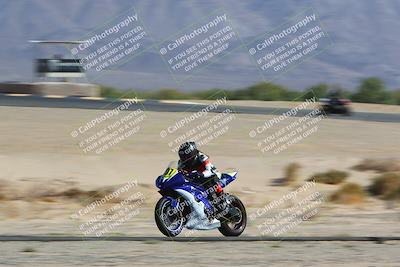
<point>198,166</point>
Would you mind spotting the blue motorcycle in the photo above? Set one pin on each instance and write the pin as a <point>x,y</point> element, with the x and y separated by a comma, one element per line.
<point>186,204</point>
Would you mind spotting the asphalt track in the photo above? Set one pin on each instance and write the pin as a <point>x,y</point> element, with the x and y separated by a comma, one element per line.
<point>160,106</point>
<point>56,238</point>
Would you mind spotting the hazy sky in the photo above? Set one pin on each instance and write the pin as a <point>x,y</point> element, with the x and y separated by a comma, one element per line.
<point>359,39</point>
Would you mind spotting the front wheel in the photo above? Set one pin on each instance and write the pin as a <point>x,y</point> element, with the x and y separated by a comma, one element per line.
<point>169,220</point>
<point>347,112</point>
<point>235,222</point>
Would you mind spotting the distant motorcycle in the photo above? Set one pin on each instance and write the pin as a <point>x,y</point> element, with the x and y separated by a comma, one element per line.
<point>185,204</point>
<point>335,106</point>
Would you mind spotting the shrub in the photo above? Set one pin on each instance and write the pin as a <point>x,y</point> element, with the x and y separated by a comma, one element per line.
<point>265,91</point>
<point>379,165</point>
<point>291,173</point>
<point>211,94</point>
<point>329,177</point>
<point>372,90</point>
<point>317,91</point>
<point>5,192</point>
<point>170,94</point>
<point>396,97</point>
<point>28,249</point>
<point>111,92</point>
<point>349,193</point>
<point>394,195</point>
<point>386,186</point>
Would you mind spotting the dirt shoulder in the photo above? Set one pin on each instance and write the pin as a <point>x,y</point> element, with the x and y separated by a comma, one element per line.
<point>41,161</point>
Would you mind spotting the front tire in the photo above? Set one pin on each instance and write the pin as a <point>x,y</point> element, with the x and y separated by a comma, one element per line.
<point>169,221</point>
<point>347,112</point>
<point>236,221</point>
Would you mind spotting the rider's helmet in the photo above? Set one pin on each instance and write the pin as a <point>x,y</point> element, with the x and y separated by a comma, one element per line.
<point>188,152</point>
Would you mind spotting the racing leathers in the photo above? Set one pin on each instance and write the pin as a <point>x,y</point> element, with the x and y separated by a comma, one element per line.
<point>201,171</point>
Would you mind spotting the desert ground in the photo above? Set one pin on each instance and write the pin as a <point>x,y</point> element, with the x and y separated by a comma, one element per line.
<point>178,254</point>
<point>46,177</point>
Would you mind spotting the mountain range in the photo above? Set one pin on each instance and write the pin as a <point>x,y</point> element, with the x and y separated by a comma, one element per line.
<point>365,39</point>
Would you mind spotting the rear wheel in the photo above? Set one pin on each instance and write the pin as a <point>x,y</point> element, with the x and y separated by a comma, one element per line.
<point>169,220</point>
<point>235,222</point>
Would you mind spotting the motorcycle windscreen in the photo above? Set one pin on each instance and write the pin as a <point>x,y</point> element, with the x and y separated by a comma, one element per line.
<point>173,181</point>
<point>227,178</point>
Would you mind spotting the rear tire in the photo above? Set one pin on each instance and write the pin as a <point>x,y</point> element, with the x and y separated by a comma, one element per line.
<point>234,225</point>
<point>162,214</point>
<point>324,110</point>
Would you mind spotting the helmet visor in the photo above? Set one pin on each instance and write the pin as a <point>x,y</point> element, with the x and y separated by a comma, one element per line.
<point>187,155</point>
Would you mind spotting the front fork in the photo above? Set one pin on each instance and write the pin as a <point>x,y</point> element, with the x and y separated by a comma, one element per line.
<point>223,207</point>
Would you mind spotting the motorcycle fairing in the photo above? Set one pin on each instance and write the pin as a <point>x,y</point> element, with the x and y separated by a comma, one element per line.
<point>173,180</point>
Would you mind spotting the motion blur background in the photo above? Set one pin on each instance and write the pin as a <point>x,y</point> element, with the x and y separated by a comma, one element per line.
<point>365,36</point>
